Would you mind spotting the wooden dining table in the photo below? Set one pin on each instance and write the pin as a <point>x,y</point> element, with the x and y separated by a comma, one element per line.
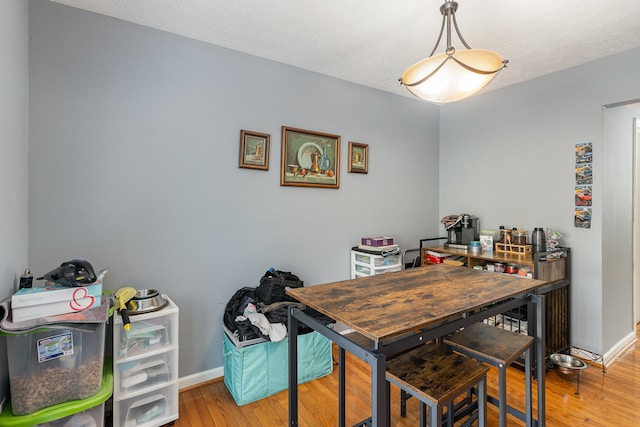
<point>399,311</point>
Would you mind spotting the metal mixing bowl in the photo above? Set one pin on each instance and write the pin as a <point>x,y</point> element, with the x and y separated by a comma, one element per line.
<point>567,364</point>
<point>145,301</point>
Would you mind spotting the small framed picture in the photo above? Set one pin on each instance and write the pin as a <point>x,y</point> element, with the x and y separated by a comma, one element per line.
<point>254,150</point>
<point>358,157</point>
<point>310,158</point>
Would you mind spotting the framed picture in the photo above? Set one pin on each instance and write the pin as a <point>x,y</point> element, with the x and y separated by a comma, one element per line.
<point>254,150</point>
<point>309,158</point>
<point>358,157</point>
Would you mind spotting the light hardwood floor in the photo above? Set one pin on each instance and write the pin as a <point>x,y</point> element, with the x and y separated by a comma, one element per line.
<point>605,399</point>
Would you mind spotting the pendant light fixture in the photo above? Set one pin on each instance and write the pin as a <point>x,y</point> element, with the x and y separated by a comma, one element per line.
<point>453,74</point>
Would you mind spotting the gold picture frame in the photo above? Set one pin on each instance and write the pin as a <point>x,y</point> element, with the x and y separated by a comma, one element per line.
<point>358,157</point>
<point>309,158</point>
<point>254,150</point>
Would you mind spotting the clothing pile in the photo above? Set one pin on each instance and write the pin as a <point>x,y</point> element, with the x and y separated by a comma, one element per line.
<point>262,312</point>
<point>451,221</point>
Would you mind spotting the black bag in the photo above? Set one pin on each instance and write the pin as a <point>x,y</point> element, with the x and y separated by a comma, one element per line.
<point>235,307</point>
<point>273,284</point>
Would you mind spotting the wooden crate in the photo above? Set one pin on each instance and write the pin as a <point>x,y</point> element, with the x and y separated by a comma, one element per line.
<point>513,249</point>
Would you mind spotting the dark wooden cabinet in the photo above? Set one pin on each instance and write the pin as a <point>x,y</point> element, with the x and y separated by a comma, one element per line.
<point>556,271</point>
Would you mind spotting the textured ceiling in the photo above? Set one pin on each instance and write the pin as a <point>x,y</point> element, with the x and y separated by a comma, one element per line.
<point>373,42</point>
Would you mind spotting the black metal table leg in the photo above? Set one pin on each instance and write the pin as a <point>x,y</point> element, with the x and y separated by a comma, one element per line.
<point>292,324</point>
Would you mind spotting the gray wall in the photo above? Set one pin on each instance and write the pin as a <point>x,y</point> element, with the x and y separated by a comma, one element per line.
<point>134,139</point>
<point>14,91</point>
<point>508,156</point>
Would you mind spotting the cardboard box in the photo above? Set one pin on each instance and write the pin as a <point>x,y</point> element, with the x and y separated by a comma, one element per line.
<point>52,300</point>
<point>486,242</point>
<point>436,257</point>
<point>377,241</point>
<point>21,314</point>
<point>34,296</point>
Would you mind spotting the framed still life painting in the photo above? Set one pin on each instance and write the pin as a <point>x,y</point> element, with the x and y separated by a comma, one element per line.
<point>310,159</point>
<point>358,157</point>
<point>254,150</point>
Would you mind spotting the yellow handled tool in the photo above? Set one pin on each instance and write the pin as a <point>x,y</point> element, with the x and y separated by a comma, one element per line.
<point>123,296</point>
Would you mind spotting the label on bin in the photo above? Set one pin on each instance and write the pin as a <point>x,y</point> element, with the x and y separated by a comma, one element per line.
<point>55,346</point>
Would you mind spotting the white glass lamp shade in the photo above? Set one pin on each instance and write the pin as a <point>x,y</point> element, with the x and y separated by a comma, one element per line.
<point>452,81</point>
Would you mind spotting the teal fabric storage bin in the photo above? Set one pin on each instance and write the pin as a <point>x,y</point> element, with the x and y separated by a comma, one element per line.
<point>260,370</point>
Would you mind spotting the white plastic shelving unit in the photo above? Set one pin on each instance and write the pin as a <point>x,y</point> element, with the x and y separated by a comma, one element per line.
<point>145,368</point>
<point>365,264</point>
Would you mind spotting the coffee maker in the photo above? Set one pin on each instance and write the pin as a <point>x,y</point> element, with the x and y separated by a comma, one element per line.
<point>463,231</point>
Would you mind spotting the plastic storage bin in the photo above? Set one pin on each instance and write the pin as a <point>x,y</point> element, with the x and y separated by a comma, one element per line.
<point>90,417</point>
<point>147,372</point>
<point>154,408</point>
<point>377,260</point>
<point>260,370</point>
<point>85,412</point>
<point>53,366</point>
<point>145,336</point>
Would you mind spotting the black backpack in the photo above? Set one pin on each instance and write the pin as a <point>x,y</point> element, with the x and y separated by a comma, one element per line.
<point>235,307</point>
<point>273,284</point>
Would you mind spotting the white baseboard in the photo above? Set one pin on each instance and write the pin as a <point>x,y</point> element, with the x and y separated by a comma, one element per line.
<point>200,377</point>
<point>211,374</point>
<point>617,350</point>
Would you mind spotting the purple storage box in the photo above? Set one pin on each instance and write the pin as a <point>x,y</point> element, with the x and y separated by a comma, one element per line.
<point>377,241</point>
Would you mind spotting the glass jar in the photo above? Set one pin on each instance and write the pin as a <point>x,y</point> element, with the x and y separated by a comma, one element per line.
<point>505,236</point>
<point>519,238</point>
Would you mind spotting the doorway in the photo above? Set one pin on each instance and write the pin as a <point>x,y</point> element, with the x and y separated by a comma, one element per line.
<point>636,216</point>
<point>620,223</point>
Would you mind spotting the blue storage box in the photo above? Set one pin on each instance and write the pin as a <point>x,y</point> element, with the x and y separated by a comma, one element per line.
<point>259,370</point>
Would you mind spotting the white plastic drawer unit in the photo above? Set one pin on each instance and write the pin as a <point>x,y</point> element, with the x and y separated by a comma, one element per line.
<point>366,264</point>
<point>145,365</point>
<point>377,260</point>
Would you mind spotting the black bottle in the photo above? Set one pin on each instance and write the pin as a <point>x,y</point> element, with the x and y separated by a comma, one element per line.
<point>26,280</point>
<point>539,241</point>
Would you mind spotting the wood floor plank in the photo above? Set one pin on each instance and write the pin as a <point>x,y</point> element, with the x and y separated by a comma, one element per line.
<point>604,400</point>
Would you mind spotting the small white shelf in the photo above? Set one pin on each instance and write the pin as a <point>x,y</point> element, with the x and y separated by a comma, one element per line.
<point>365,264</point>
<point>145,368</point>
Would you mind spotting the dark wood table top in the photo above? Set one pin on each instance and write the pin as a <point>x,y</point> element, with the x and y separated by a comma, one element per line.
<point>389,305</point>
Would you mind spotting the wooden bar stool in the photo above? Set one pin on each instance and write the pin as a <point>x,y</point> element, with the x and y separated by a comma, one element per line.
<point>436,376</point>
<point>500,348</point>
